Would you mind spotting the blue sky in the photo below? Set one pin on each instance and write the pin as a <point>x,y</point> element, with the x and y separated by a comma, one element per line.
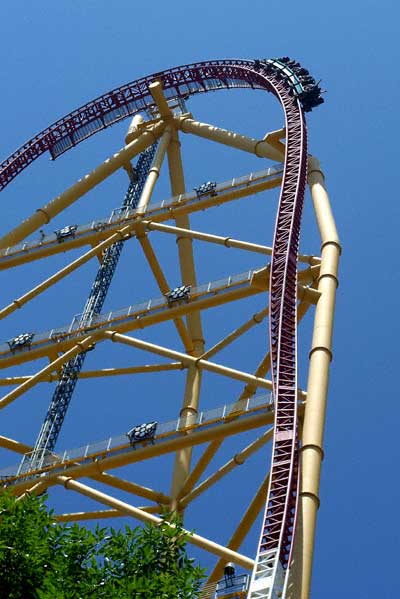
<point>57,56</point>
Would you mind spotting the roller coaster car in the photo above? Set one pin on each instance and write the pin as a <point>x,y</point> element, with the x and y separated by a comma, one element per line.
<point>310,98</point>
<point>306,89</point>
<point>206,188</point>
<point>306,80</point>
<point>178,294</point>
<point>142,432</point>
<point>302,71</point>
<point>66,232</point>
<point>23,340</point>
<point>289,62</point>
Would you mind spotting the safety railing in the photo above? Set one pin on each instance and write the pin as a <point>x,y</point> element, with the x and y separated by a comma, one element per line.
<point>122,216</point>
<point>119,443</point>
<point>229,587</point>
<point>81,325</point>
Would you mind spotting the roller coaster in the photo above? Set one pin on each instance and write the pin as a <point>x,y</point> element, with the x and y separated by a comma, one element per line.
<point>293,282</point>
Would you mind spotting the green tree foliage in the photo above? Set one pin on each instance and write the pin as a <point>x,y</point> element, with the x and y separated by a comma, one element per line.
<point>42,559</point>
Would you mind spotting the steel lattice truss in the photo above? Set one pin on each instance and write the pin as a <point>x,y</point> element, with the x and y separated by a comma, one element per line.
<point>284,544</point>
<point>62,396</point>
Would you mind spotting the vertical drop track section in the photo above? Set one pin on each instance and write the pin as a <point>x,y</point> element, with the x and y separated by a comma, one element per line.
<point>279,520</point>
<point>298,93</point>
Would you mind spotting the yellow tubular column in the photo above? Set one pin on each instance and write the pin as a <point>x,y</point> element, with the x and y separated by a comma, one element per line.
<point>90,374</point>
<point>237,460</point>
<point>137,513</point>
<point>132,133</point>
<point>199,468</point>
<point>101,514</point>
<point>130,487</point>
<point>226,241</point>
<point>186,259</point>
<point>320,358</point>
<point>163,286</point>
<point>23,299</point>
<point>154,172</point>
<point>192,362</point>
<point>35,378</point>
<point>43,215</point>
<point>95,515</point>
<point>14,445</point>
<point>36,489</point>
<point>255,319</point>
<point>134,128</point>
<point>261,148</point>
<point>188,274</point>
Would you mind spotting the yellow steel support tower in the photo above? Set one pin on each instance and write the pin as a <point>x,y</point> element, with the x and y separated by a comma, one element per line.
<point>199,352</point>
